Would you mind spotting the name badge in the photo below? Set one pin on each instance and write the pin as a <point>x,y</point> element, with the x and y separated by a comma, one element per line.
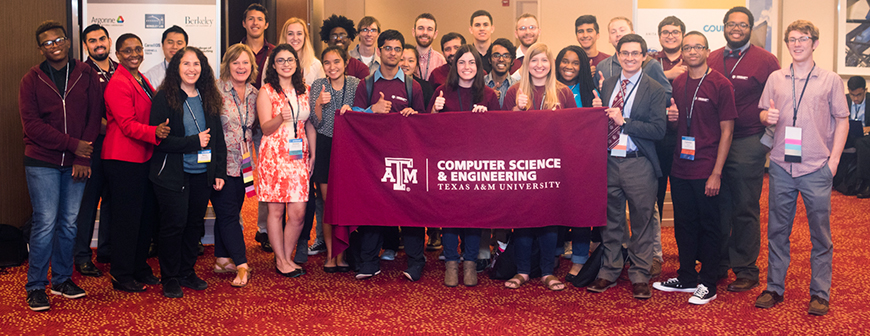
<point>793,144</point>
<point>295,147</point>
<point>687,150</point>
<point>203,156</point>
<point>621,146</point>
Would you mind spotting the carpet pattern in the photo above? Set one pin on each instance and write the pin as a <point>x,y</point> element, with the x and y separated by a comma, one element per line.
<point>336,304</point>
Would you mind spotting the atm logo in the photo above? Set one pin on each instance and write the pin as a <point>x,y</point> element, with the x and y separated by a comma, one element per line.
<point>399,172</point>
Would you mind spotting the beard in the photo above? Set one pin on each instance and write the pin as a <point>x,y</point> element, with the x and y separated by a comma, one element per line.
<point>421,44</point>
<point>738,44</point>
<point>671,51</point>
<point>100,58</point>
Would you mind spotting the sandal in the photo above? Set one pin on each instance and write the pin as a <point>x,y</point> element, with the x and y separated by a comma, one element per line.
<point>245,273</point>
<point>553,283</point>
<point>226,267</point>
<point>516,282</point>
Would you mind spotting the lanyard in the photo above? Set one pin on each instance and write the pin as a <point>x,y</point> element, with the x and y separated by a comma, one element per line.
<point>66,82</point>
<point>244,123</point>
<point>293,115</point>
<point>543,99</point>
<point>195,122</point>
<point>625,98</point>
<point>797,103</point>
<point>428,60</point>
<point>103,72</point>
<point>695,97</point>
<point>735,64</point>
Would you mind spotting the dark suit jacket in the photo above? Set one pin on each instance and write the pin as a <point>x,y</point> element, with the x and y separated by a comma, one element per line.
<point>856,132</point>
<point>648,116</point>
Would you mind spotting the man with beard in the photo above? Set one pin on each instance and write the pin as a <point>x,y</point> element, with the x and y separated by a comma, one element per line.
<point>747,67</point>
<point>527,33</point>
<point>339,31</point>
<point>501,53</point>
<point>481,30</point>
<point>97,43</point>
<point>586,28</point>
<point>174,39</point>
<point>425,31</point>
<point>450,44</point>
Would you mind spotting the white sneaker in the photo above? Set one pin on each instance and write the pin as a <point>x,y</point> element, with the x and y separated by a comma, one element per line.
<point>702,296</point>
<point>673,285</point>
<point>388,255</point>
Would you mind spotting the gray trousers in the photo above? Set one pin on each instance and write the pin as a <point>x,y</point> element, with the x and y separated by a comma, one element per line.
<point>633,180</point>
<point>657,230</point>
<point>739,206</point>
<point>815,190</point>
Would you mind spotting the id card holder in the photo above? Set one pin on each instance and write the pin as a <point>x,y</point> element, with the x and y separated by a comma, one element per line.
<point>687,149</point>
<point>793,144</point>
<point>621,146</point>
<point>203,156</point>
<point>295,147</point>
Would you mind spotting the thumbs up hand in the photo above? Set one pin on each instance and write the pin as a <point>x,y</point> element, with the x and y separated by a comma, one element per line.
<point>596,102</point>
<point>204,137</point>
<point>600,80</point>
<point>673,112</point>
<point>772,114</point>
<point>439,103</point>
<point>382,106</point>
<point>522,100</point>
<point>163,130</point>
<point>325,97</point>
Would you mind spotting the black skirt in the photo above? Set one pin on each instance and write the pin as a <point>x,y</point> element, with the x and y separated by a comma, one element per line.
<point>321,159</point>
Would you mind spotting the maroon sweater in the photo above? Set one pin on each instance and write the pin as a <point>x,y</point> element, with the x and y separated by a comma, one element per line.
<point>439,76</point>
<point>356,68</point>
<point>53,125</point>
<point>452,99</point>
<point>394,91</point>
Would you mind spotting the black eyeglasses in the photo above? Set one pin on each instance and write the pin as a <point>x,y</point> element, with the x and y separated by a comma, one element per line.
<point>51,43</point>
<point>338,36</point>
<point>285,61</point>
<point>368,30</point>
<point>390,49</point>
<point>742,25</point>
<point>696,47</point>
<point>129,51</point>
<point>502,56</point>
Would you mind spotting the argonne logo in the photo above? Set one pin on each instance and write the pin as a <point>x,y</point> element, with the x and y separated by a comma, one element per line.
<point>120,19</point>
<point>404,174</point>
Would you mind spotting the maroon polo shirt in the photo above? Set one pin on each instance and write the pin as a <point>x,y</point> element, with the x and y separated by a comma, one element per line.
<point>566,97</point>
<point>356,68</point>
<point>394,91</point>
<point>452,99</point>
<point>260,58</point>
<point>748,79</point>
<point>439,76</point>
<point>597,59</point>
<point>715,103</point>
<point>518,63</point>
<point>104,75</point>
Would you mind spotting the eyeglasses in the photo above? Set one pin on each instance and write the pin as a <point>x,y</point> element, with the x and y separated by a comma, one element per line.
<point>524,28</point>
<point>630,54</point>
<point>732,24</point>
<point>338,36</point>
<point>501,56</point>
<point>391,49</point>
<point>801,39</point>
<point>671,33</point>
<point>368,30</point>
<point>285,61</point>
<point>696,47</point>
<point>129,51</point>
<point>51,43</point>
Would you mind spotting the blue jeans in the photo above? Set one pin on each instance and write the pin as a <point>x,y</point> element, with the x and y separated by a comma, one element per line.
<point>470,240</point>
<point>546,238</point>
<point>56,199</point>
<point>580,237</point>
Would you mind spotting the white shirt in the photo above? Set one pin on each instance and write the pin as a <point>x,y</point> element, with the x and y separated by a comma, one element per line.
<point>857,112</point>
<point>628,101</point>
<point>156,74</point>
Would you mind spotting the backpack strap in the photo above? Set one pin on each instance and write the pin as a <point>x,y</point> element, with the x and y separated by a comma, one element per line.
<point>409,85</point>
<point>370,83</point>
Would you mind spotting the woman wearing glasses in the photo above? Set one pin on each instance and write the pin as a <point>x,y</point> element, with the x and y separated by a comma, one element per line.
<point>286,153</point>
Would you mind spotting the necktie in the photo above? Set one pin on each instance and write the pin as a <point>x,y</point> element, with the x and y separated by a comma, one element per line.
<point>612,129</point>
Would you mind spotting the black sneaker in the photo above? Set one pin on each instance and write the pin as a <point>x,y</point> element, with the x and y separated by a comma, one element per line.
<point>89,269</point>
<point>68,289</point>
<point>172,289</point>
<point>263,239</point>
<point>673,285</point>
<point>702,295</point>
<point>317,248</point>
<point>193,282</point>
<point>37,300</point>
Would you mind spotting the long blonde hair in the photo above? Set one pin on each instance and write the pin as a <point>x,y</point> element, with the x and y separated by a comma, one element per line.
<point>306,55</point>
<point>551,94</point>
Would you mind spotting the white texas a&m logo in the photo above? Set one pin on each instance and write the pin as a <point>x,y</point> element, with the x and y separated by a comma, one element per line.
<point>404,174</point>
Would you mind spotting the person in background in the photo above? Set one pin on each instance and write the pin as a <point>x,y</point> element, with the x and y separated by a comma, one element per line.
<point>527,32</point>
<point>339,31</point>
<point>60,108</point>
<point>174,39</point>
<point>858,128</point>
<point>586,30</point>
<point>450,43</point>
<point>295,33</point>
<point>537,90</point>
<point>255,23</point>
<point>410,65</point>
<point>238,114</point>
<point>425,32</point>
<point>481,28</point>
<point>366,50</point>
<point>501,56</point>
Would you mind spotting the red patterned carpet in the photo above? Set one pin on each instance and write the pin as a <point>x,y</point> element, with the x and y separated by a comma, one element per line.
<point>318,303</point>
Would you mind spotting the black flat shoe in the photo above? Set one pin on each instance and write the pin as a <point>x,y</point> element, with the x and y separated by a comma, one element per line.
<point>132,286</point>
<point>294,273</point>
<point>344,269</point>
<point>332,269</point>
<point>89,269</point>
<point>149,279</point>
<point>570,277</point>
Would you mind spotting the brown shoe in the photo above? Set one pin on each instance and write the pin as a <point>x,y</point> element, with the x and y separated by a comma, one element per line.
<point>600,285</point>
<point>451,274</point>
<point>818,306</point>
<point>469,273</point>
<point>742,285</point>
<point>641,290</point>
<point>656,268</point>
<point>768,299</point>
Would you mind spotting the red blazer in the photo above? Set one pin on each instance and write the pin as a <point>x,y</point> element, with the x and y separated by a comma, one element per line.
<point>128,108</point>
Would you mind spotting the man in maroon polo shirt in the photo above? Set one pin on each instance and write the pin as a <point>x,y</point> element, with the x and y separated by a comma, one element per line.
<point>586,28</point>
<point>450,43</point>
<point>747,67</point>
<point>703,113</point>
<point>256,23</point>
<point>527,33</point>
<point>338,30</point>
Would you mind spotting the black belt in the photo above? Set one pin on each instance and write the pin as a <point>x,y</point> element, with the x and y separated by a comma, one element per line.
<point>635,154</point>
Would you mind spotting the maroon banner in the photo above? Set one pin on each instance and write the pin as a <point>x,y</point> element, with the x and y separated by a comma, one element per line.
<point>475,170</point>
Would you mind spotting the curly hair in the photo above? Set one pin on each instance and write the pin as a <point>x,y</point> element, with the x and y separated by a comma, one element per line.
<point>211,97</point>
<point>272,78</point>
<point>335,21</point>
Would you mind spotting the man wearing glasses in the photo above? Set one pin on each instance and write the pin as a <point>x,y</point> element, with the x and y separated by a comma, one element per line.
<point>636,119</point>
<point>425,32</point>
<point>747,67</point>
<point>366,50</point>
<point>610,67</point>
<point>527,33</point>
<point>703,115</point>
<point>805,106</point>
<point>501,54</point>
<point>338,30</point>
<point>61,105</point>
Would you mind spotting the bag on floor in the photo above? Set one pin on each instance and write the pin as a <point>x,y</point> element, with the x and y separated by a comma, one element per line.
<point>846,179</point>
<point>590,269</point>
<point>13,249</point>
<point>505,266</point>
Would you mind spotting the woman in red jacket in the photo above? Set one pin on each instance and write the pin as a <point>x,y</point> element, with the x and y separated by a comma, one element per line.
<point>126,150</point>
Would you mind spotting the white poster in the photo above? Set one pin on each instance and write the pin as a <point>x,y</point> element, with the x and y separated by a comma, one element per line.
<point>149,18</point>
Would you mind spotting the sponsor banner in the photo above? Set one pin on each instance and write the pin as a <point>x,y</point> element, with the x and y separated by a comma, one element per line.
<point>149,18</point>
<point>474,170</point>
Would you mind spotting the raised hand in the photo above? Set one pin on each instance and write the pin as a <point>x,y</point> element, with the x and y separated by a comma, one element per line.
<point>600,79</point>
<point>522,100</point>
<point>596,102</point>
<point>676,71</point>
<point>286,113</point>
<point>439,102</point>
<point>204,137</point>
<point>772,114</point>
<point>673,112</point>
<point>382,106</point>
<point>163,130</point>
<point>325,97</point>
